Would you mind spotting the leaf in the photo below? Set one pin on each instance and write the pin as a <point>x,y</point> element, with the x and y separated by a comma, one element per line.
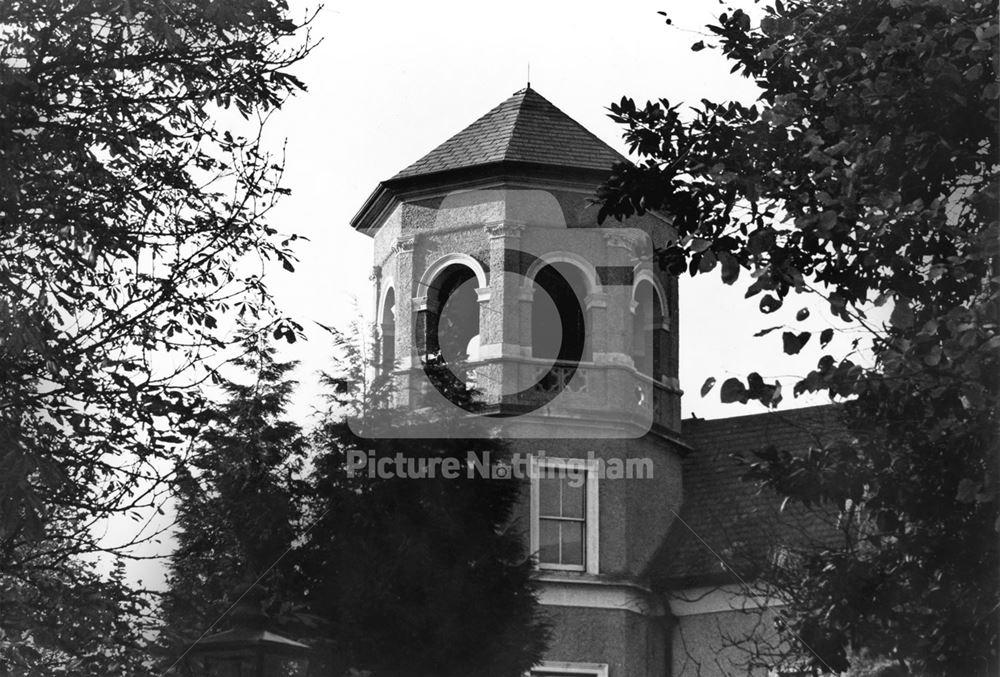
<point>825,337</point>
<point>730,267</point>
<point>902,314</point>
<point>769,304</point>
<point>733,390</point>
<point>707,385</point>
<point>966,491</point>
<point>765,332</point>
<point>974,73</point>
<point>698,46</point>
<point>776,395</point>
<point>991,345</point>
<point>933,356</point>
<point>802,314</point>
<point>793,343</point>
<point>700,244</point>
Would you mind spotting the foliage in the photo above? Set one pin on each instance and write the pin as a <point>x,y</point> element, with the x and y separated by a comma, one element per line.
<point>866,173</point>
<point>383,576</point>
<point>237,508</point>
<point>414,577</point>
<point>72,620</point>
<point>132,230</point>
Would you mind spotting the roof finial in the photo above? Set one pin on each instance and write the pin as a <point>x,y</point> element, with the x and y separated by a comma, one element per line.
<point>529,75</point>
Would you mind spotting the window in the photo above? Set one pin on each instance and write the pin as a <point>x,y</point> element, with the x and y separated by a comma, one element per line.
<point>562,499</point>
<point>564,514</point>
<point>647,331</point>
<point>558,322</point>
<point>554,669</point>
<point>388,332</point>
<point>453,329</point>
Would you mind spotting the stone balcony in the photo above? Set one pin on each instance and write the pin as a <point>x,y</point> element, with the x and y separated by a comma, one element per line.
<point>586,400</point>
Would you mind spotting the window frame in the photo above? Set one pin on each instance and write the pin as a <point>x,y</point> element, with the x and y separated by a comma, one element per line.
<point>591,531</point>
<point>561,667</point>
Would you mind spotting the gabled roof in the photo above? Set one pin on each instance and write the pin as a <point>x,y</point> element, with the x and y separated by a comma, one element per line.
<point>724,517</point>
<point>524,128</point>
<point>524,137</point>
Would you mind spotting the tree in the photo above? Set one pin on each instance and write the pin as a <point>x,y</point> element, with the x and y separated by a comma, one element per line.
<point>391,576</point>
<point>132,231</point>
<point>865,173</point>
<point>413,576</point>
<point>69,619</point>
<point>238,511</point>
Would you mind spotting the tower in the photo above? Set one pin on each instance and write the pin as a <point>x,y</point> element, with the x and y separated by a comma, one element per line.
<point>489,256</point>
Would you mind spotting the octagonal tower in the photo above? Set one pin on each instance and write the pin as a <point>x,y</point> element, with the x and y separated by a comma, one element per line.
<point>488,255</point>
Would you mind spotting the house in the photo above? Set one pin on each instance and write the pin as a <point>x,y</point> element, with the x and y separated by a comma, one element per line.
<point>488,253</point>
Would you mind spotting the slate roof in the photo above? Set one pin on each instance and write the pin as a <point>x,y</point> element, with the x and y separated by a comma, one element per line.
<point>525,128</point>
<point>724,517</point>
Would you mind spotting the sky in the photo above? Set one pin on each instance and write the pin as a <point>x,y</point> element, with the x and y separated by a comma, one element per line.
<point>392,80</point>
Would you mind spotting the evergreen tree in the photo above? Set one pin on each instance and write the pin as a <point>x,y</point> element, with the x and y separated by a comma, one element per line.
<point>398,577</point>
<point>237,509</point>
<point>414,577</point>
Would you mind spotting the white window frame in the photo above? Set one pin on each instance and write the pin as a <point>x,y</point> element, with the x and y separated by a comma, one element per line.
<point>591,531</point>
<point>595,669</point>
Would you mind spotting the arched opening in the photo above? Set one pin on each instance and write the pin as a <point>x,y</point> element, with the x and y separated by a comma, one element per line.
<point>387,332</point>
<point>558,314</point>
<point>453,320</point>
<point>647,328</point>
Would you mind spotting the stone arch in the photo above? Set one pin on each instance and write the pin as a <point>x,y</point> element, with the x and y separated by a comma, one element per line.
<point>387,328</point>
<point>650,324</point>
<point>450,315</point>
<point>646,275</point>
<point>440,264</point>
<point>585,266</point>
<point>561,320</point>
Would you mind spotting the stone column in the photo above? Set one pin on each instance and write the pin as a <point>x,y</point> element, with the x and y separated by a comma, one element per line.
<point>405,282</point>
<point>375,276</point>
<point>500,320</point>
<point>617,325</point>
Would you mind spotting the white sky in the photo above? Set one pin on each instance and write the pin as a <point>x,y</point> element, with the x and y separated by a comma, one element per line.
<point>392,80</point>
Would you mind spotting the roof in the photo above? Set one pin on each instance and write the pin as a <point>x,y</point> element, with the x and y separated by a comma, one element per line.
<point>244,639</point>
<point>725,518</point>
<point>524,128</point>
<point>523,137</point>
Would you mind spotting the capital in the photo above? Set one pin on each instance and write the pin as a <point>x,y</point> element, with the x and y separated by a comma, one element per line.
<point>422,303</point>
<point>619,240</point>
<point>596,300</point>
<point>404,244</point>
<point>504,229</point>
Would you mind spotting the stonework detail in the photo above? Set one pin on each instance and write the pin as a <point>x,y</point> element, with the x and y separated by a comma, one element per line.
<point>504,223</point>
<point>504,229</point>
<point>404,245</point>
